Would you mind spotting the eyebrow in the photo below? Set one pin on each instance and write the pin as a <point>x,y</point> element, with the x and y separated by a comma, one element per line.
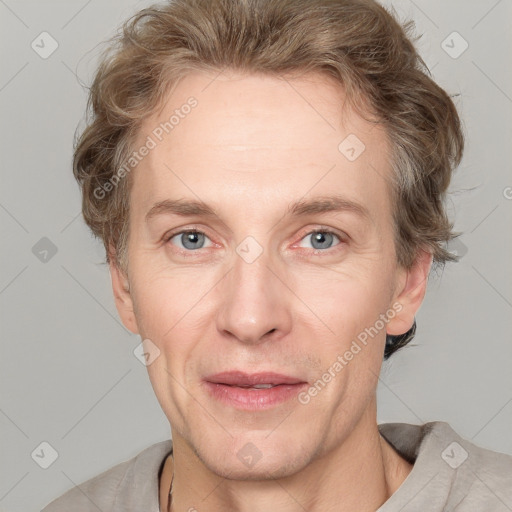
<point>181,207</point>
<point>326,204</point>
<point>300,208</point>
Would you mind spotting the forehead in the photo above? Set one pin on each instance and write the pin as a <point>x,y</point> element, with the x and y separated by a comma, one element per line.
<point>261,139</point>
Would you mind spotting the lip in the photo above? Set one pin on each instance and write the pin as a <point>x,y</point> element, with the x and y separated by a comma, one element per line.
<point>239,378</point>
<point>232,388</point>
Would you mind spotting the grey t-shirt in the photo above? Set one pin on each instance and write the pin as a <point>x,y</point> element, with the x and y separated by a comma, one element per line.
<point>449,474</point>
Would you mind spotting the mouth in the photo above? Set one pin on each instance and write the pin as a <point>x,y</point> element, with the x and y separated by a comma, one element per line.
<point>253,391</point>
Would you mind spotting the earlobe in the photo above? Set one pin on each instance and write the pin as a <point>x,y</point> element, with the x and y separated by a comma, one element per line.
<point>122,295</point>
<point>411,294</point>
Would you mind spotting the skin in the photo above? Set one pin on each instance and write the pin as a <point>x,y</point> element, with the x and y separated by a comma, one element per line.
<point>252,146</point>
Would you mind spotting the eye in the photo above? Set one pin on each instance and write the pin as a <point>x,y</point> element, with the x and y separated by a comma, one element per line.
<point>320,239</point>
<point>189,240</point>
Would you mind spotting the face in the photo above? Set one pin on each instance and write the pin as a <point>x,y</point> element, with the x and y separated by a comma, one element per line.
<point>261,240</point>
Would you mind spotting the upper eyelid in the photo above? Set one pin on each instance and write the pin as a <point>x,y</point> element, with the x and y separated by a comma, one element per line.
<point>172,233</point>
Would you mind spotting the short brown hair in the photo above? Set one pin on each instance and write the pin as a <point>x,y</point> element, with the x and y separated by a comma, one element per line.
<point>357,42</point>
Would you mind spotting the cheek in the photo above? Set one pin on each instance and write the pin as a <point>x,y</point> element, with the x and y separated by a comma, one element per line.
<point>344,301</point>
<point>160,292</point>
<point>153,308</point>
<point>171,314</point>
<point>172,308</point>
<point>349,338</point>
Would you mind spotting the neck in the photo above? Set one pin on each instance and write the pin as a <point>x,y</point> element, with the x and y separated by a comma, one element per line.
<point>358,475</point>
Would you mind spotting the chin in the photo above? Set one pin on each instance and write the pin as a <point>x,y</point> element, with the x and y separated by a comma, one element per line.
<point>256,456</point>
<point>277,466</point>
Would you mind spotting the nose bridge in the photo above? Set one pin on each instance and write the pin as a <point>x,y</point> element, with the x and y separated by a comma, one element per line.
<point>251,303</point>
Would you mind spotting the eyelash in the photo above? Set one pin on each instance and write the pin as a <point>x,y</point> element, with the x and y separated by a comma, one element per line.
<point>317,252</point>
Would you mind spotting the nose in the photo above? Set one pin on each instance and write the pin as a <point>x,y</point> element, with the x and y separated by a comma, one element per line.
<point>255,304</point>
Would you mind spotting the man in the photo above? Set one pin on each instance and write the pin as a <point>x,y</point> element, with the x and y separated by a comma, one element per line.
<point>268,179</point>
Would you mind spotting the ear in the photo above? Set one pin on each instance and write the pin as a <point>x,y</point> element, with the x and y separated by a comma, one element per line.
<point>411,288</point>
<point>122,295</point>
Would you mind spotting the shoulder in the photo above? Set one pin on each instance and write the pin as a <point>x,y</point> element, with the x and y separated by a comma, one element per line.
<point>450,471</point>
<point>98,493</point>
<point>486,475</point>
<point>462,454</point>
<point>102,492</point>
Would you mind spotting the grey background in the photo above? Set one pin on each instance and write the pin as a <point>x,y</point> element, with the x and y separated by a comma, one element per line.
<point>68,373</point>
